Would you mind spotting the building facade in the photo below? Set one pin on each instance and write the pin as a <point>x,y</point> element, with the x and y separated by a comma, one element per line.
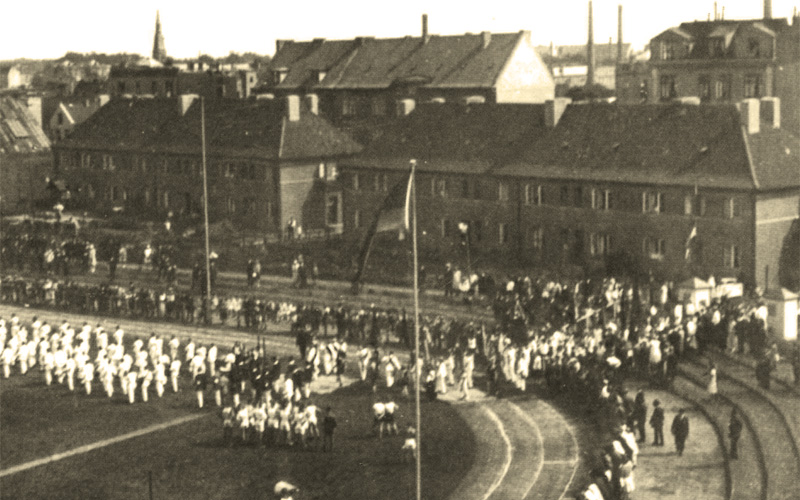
<point>722,61</point>
<point>268,162</point>
<point>364,82</point>
<point>607,188</point>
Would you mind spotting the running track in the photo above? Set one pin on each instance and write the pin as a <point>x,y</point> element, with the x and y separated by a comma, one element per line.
<point>525,449</point>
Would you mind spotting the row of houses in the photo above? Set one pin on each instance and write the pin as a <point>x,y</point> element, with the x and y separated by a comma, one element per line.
<point>552,184</point>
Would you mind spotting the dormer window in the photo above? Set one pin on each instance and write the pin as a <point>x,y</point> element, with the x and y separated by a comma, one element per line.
<point>321,74</point>
<point>669,51</point>
<point>716,47</point>
<point>754,48</point>
<point>279,75</point>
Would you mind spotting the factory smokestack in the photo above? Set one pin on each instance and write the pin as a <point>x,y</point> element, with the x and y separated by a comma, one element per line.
<point>590,49</point>
<point>767,9</point>
<point>425,36</point>
<point>619,33</point>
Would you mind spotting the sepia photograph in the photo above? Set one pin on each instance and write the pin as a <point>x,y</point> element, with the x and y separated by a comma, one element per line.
<point>436,250</point>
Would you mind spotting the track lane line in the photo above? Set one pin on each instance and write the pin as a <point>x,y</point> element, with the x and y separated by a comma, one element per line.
<point>99,444</point>
<point>509,454</point>
<point>538,433</point>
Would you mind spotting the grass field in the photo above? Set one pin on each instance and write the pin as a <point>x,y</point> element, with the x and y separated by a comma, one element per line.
<point>190,461</point>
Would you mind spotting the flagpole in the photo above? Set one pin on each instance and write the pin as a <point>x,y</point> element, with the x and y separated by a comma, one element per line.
<point>205,207</point>
<point>416,325</point>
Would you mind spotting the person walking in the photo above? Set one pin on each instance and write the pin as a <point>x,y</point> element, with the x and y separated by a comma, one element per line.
<point>640,416</point>
<point>713,390</point>
<point>328,426</point>
<point>680,430</point>
<point>657,423</point>
<point>734,432</point>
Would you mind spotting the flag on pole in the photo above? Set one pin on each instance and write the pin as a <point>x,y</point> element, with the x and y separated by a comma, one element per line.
<point>394,215</point>
<point>690,241</point>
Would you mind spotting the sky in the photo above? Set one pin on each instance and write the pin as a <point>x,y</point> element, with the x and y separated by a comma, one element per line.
<point>48,28</point>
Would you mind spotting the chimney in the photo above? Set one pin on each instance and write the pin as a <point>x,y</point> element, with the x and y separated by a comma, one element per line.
<point>554,109</point>
<point>405,106</point>
<point>425,35</point>
<point>292,108</point>
<point>750,115</point>
<point>722,14</point>
<point>619,34</point>
<point>185,102</point>
<point>590,49</point>
<point>716,13</point>
<point>767,9</point>
<point>771,111</point>
<point>552,49</point>
<point>486,38</point>
<point>312,103</point>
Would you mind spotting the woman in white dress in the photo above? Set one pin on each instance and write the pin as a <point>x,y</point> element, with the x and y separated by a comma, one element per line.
<point>712,383</point>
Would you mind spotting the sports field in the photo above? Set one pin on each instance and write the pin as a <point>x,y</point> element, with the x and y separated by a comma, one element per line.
<point>179,452</point>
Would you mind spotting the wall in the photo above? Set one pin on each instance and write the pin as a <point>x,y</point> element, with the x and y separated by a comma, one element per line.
<point>296,188</point>
<point>22,180</point>
<point>525,77</point>
<point>775,214</point>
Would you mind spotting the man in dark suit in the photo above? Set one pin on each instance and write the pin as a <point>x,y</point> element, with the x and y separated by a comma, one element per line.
<point>657,423</point>
<point>680,430</point>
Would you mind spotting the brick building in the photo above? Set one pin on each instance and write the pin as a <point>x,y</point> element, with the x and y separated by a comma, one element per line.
<point>722,61</point>
<point>170,81</point>
<point>364,82</point>
<point>268,161</point>
<point>600,186</point>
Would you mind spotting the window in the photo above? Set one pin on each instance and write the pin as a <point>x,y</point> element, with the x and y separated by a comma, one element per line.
<point>90,191</point>
<point>533,194</point>
<point>154,88</point>
<point>329,171</point>
<point>536,238</point>
<point>249,205</point>
<point>357,219</point>
<point>64,161</point>
<point>121,87</point>
<point>502,191</point>
<point>654,248</point>
<point>381,182</point>
<point>502,233</point>
<point>355,182</point>
<point>466,191</point>
<point>446,229</point>
<point>333,209</point>
<point>667,90</point>
<point>731,256</point>
<point>279,75</point>
<point>147,196</point>
<point>438,187</point>
<point>378,106</point>
<point>731,208</point>
<point>651,202</point>
<point>86,160</point>
<point>348,106</point>
<point>577,197</point>
<point>564,196</point>
<point>601,199</point>
<point>143,165</point>
<point>668,51</point>
<point>231,205</point>
<point>722,88</point>
<point>165,198</point>
<point>716,47</point>
<point>704,88</point>
<point>599,244</point>
<point>752,86</point>
<point>694,205</point>
<point>230,170</point>
<point>475,229</point>
<point>754,48</point>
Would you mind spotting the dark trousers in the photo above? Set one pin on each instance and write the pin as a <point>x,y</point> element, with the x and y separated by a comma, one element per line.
<point>327,442</point>
<point>642,431</point>
<point>658,436</point>
<point>680,443</point>
<point>735,447</point>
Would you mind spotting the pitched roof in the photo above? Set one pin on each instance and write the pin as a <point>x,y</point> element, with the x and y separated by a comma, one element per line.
<point>234,127</point>
<point>701,32</point>
<point>19,130</point>
<point>442,61</point>
<point>79,112</point>
<point>661,144</point>
<point>451,137</point>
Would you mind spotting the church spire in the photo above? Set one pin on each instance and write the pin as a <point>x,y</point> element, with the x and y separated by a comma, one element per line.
<point>159,50</point>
